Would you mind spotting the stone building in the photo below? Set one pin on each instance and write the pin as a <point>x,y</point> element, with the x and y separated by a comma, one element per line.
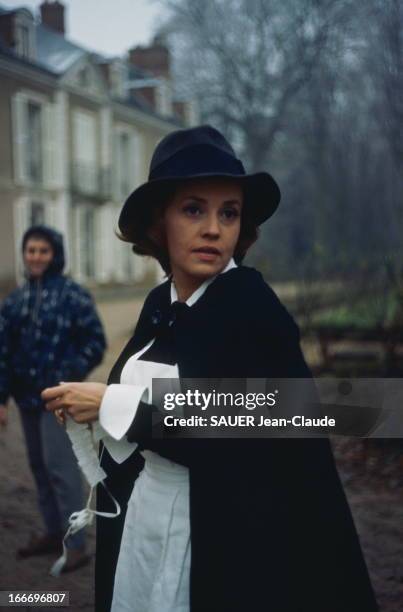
<point>78,130</point>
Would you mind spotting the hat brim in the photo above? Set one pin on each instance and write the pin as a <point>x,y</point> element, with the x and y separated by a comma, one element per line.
<point>261,196</point>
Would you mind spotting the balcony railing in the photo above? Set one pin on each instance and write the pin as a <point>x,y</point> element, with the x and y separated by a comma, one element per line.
<point>90,180</point>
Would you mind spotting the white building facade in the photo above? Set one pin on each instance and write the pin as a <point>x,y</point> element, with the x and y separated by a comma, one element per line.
<point>78,140</point>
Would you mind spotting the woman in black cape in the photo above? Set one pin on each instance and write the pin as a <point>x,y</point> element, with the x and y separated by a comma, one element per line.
<point>254,524</point>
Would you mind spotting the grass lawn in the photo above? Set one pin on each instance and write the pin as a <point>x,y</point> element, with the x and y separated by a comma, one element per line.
<point>363,313</point>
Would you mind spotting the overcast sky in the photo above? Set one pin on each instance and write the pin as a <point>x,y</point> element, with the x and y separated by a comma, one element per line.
<point>110,27</point>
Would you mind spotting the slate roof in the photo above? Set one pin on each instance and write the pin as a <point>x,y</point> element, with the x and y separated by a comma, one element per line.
<point>56,55</point>
<point>5,11</point>
<point>55,52</point>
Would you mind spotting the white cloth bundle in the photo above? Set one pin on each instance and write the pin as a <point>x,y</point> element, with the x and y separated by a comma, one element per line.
<point>84,449</point>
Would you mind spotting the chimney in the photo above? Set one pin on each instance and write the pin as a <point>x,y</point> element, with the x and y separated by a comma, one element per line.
<point>154,59</point>
<point>7,29</point>
<point>187,112</point>
<point>52,15</point>
<point>146,94</point>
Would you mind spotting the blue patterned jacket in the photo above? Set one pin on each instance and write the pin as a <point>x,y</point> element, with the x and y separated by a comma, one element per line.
<point>49,332</point>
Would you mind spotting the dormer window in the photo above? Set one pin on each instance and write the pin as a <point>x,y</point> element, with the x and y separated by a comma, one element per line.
<point>118,78</point>
<point>24,34</point>
<point>23,40</point>
<point>83,77</point>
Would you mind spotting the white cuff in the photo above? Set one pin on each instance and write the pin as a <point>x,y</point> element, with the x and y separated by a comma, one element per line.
<point>118,450</point>
<point>119,406</point>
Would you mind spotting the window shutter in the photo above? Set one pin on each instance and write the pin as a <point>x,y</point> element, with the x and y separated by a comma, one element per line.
<point>119,273</point>
<point>20,137</point>
<point>117,180</point>
<point>134,159</point>
<point>51,156</point>
<point>77,255</point>
<point>21,223</point>
<point>102,239</point>
<point>51,214</point>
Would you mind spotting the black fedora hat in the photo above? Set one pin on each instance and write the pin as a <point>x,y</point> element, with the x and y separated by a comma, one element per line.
<point>199,152</point>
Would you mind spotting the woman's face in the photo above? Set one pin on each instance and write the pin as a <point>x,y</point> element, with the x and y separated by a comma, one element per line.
<point>201,225</point>
<point>38,254</point>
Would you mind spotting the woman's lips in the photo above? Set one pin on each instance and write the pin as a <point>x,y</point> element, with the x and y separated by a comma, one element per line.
<point>207,254</point>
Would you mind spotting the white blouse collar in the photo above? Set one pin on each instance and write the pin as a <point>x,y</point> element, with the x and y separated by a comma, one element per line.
<point>200,290</point>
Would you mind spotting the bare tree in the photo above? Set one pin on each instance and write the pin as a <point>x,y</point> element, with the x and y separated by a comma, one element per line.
<point>246,60</point>
<point>385,64</point>
<point>312,91</point>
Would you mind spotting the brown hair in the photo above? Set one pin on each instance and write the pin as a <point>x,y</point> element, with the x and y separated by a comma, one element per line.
<point>145,241</point>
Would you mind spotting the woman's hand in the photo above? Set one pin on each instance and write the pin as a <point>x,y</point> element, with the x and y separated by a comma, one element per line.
<point>80,400</point>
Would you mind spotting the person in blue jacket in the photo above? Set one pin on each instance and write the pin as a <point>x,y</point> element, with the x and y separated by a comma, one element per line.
<point>50,332</point>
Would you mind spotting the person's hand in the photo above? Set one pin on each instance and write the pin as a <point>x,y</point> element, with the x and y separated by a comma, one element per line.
<point>3,415</point>
<point>80,400</point>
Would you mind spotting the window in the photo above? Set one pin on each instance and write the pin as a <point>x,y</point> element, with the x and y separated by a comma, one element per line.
<point>85,169</point>
<point>123,157</point>
<point>34,158</point>
<point>84,77</point>
<point>88,244</point>
<point>128,263</point>
<point>118,77</point>
<point>24,41</point>
<point>24,34</point>
<point>126,161</point>
<point>37,213</point>
<point>36,152</point>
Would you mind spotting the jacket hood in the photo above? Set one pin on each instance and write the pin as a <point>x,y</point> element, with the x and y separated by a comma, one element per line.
<point>55,238</point>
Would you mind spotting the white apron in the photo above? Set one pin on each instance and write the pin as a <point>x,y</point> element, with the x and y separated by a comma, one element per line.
<point>153,569</point>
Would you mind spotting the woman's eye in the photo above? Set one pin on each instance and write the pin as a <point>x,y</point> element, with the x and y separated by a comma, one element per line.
<point>192,210</point>
<point>230,213</point>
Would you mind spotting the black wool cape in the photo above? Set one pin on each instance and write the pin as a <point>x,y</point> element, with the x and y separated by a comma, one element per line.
<point>270,525</point>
